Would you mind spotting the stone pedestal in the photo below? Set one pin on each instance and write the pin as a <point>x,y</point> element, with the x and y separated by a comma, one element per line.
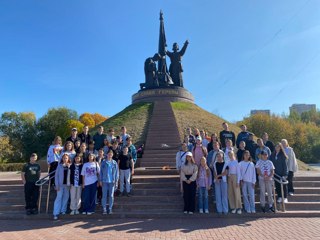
<point>171,94</point>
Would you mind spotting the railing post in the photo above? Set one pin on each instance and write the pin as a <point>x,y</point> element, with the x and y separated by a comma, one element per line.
<point>274,197</point>
<point>39,200</point>
<point>48,196</point>
<point>283,205</point>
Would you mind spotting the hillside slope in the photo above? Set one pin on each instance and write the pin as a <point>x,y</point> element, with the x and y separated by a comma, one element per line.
<point>191,115</point>
<point>135,117</point>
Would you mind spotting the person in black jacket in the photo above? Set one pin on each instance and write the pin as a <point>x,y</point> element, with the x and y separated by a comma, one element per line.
<point>226,134</point>
<point>279,160</point>
<point>251,146</point>
<point>267,142</point>
<point>74,136</point>
<point>85,137</point>
<point>76,184</point>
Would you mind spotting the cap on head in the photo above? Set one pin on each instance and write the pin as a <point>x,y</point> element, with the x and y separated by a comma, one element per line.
<point>263,152</point>
<point>74,130</point>
<point>189,154</point>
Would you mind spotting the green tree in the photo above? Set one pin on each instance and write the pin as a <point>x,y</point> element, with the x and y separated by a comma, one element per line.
<point>50,124</point>
<point>21,130</point>
<point>6,150</point>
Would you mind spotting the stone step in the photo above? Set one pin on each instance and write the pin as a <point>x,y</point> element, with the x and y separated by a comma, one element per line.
<point>306,183</point>
<point>157,171</point>
<point>158,164</point>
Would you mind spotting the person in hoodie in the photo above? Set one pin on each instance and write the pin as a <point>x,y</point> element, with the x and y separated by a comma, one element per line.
<point>243,135</point>
<point>279,160</point>
<point>109,177</point>
<point>199,151</point>
<point>204,182</point>
<point>226,134</point>
<point>53,157</point>
<point>85,137</point>
<point>76,184</point>
<point>292,165</point>
<point>98,138</point>
<point>62,186</point>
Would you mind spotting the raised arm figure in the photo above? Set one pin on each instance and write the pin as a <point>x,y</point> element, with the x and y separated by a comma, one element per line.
<point>175,68</point>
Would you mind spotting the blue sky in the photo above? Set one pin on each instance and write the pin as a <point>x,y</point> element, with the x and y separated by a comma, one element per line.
<point>89,55</point>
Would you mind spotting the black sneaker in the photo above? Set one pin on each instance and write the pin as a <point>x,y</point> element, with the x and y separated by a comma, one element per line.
<point>28,212</point>
<point>34,211</point>
<point>271,209</point>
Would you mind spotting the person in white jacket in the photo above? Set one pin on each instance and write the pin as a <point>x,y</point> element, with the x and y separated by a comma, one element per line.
<point>292,165</point>
<point>248,181</point>
<point>181,159</point>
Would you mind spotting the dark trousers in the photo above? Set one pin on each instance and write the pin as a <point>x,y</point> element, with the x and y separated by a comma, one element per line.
<point>99,194</point>
<point>52,168</point>
<point>31,194</point>
<point>278,189</point>
<point>89,197</point>
<point>290,180</point>
<point>189,196</point>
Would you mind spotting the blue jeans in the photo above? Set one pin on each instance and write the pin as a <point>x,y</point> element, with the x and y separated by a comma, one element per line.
<point>203,198</point>
<point>61,201</point>
<point>221,192</point>
<point>248,196</point>
<point>107,192</point>
<point>89,197</point>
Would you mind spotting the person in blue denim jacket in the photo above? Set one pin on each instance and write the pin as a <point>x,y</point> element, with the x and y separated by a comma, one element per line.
<point>109,177</point>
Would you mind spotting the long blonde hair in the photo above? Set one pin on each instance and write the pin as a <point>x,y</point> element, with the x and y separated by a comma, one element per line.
<point>205,167</point>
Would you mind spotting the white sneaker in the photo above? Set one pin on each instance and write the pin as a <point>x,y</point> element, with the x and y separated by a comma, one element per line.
<point>285,200</point>
<point>279,200</point>
<point>90,213</point>
<point>233,211</point>
<point>206,211</point>
<point>239,211</point>
<point>63,213</point>
<point>84,213</point>
<point>72,212</point>
<point>249,211</point>
<point>253,211</point>
<point>185,212</point>
<point>77,212</point>
<point>190,212</point>
<point>104,211</point>
<point>55,217</point>
<point>290,193</point>
<point>200,211</point>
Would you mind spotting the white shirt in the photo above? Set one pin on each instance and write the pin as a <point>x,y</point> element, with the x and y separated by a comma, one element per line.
<point>234,169</point>
<point>180,159</point>
<point>247,172</point>
<point>90,172</point>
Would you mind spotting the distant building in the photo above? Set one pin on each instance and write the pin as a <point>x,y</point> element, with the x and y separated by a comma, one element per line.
<point>253,112</point>
<point>300,108</point>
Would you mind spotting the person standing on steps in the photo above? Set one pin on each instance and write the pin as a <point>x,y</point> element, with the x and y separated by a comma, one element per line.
<point>204,182</point>
<point>261,148</point>
<point>30,174</point>
<point>226,134</point>
<point>126,167</point>
<point>133,153</point>
<point>267,142</point>
<point>241,150</point>
<point>189,173</point>
<point>74,136</point>
<point>98,138</point>
<point>53,157</point>
<point>199,151</point>
<point>85,137</point>
<point>75,184</point>
<point>279,160</point>
<point>248,181</point>
<point>243,135</point>
<point>214,138</point>
<point>180,160</point>
<point>292,165</point>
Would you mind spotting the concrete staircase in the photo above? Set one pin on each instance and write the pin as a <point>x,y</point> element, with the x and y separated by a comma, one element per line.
<point>156,183</point>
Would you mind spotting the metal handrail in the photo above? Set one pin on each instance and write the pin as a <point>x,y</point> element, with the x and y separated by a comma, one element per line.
<point>282,182</point>
<point>40,183</point>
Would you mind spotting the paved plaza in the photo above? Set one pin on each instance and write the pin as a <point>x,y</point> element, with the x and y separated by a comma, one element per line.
<point>190,228</point>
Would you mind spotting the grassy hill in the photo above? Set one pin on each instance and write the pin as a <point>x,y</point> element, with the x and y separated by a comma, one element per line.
<point>191,115</point>
<point>135,117</point>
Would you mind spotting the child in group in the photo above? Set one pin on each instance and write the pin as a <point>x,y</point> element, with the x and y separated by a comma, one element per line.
<point>181,159</point>
<point>199,151</point>
<point>90,177</point>
<point>126,167</point>
<point>53,157</point>
<point>241,149</point>
<point>62,183</point>
<point>99,159</point>
<point>133,152</point>
<point>84,152</point>
<point>227,149</point>
<point>248,181</point>
<point>76,184</point>
<point>77,146</point>
<point>204,181</point>
<point>234,195</point>
<point>106,146</point>
<point>189,173</point>
<point>91,149</point>
<point>30,174</point>
<point>109,177</point>
<point>265,169</point>
<point>68,149</point>
<point>220,181</point>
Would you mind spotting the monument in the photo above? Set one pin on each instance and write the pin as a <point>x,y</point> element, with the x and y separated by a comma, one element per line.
<point>161,84</point>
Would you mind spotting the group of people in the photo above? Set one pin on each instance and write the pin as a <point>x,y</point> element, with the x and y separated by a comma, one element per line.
<point>231,165</point>
<point>84,171</point>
